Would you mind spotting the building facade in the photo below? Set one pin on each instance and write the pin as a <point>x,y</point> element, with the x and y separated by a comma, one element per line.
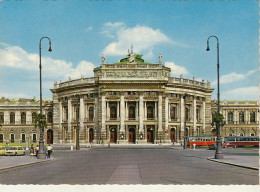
<point>17,120</point>
<point>131,101</point>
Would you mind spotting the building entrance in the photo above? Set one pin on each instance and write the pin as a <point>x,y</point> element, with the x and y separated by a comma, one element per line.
<point>131,135</point>
<point>113,135</point>
<point>173,135</point>
<point>91,135</point>
<point>150,137</point>
<point>50,136</point>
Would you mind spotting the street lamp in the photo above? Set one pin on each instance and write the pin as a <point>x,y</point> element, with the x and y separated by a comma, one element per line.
<point>218,154</point>
<point>41,153</point>
<point>77,117</point>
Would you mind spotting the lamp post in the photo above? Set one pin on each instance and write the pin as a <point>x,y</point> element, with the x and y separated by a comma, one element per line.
<point>77,117</point>
<point>185,131</point>
<point>41,153</point>
<point>218,154</point>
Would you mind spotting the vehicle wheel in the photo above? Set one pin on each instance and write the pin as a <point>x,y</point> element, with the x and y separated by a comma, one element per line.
<point>15,154</point>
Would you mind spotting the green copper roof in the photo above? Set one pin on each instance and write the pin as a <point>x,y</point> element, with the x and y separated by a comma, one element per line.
<point>137,59</point>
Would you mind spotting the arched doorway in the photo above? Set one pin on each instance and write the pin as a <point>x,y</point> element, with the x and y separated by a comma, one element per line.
<point>150,138</point>
<point>172,135</point>
<point>50,136</point>
<point>91,135</point>
<point>113,135</point>
<point>131,135</point>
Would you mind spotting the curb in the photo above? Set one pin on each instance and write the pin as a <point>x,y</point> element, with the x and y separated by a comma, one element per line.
<point>26,164</point>
<point>243,166</point>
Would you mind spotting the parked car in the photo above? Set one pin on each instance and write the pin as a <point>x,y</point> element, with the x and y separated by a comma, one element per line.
<point>14,150</point>
<point>2,150</point>
<point>226,145</point>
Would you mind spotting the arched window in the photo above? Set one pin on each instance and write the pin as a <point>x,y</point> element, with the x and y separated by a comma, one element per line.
<point>150,112</point>
<point>113,112</point>
<point>241,117</point>
<point>33,117</point>
<point>66,114</point>
<point>230,117</point>
<point>1,117</point>
<point>49,117</point>
<point>252,117</point>
<point>23,118</point>
<point>91,113</point>
<point>12,118</point>
<point>173,113</point>
<point>131,112</point>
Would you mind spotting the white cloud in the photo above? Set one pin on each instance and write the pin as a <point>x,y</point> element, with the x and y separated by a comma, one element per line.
<point>16,57</point>
<point>233,77</point>
<point>89,29</point>
<point>16,60</point>
<point>242,93</point>
<point>143,38</point>
<point>175,69</point>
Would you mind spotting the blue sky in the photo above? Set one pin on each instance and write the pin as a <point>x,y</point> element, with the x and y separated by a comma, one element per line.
<point>81,31</point>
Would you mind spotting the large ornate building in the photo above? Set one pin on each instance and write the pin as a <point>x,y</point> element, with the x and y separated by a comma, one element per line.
<point>126,102</point>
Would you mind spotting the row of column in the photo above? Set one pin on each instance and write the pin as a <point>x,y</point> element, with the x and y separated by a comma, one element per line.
<point>236,115</point>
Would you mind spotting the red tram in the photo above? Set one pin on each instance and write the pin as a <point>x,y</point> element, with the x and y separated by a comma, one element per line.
<point>202,140</point>
<point>241,141</point>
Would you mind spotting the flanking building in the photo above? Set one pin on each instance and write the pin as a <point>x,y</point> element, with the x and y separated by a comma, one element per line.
<point>131,101</point>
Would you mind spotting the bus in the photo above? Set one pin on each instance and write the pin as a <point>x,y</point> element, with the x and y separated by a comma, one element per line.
<point>241,141</point>
<point>202,140</point>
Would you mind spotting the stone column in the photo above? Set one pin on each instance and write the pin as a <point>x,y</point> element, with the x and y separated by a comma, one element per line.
<point>204,116</point>
<point>69,120</point>
<point>136,111</point>
<point>194,115</point>
<point>182,117</point>
<point>122,112</point>
<point>103,112</point>
<point>117,111</point>
<point>155,111</point>
<point>82,114</point>
<point>166,112</point>
<point>257,116</point>
<point>160,112</point>
<point>17,117</point>
<point>86,117</point>
<point>126,111</point>
<point>96,118</point>
<point>108,111</point>
<point>145,111</point>
<point>141,113</point>
<point>28,117</point>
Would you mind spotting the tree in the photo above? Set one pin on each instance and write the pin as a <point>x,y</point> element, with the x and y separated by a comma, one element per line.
<point>40,121</point>
<point>217,118</point>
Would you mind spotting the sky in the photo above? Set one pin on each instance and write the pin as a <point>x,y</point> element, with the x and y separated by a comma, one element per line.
<point>81,31</point>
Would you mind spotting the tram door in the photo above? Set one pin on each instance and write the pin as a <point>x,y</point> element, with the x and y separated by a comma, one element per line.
<point>173,135</point>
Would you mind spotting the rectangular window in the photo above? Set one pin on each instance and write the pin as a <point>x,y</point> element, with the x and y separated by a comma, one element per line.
<point>34,138</point>
<point>23,138</point>
<point>12,138</point>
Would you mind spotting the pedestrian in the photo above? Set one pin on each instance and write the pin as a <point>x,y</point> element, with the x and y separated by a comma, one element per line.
<point>49,150</point>
<point>36,149</point>
<point>32,150</point>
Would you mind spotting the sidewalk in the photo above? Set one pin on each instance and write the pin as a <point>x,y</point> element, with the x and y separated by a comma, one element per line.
<point>250,162</point>
<point>7,162</point>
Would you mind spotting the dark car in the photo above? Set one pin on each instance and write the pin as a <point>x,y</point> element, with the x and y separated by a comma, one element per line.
<point>213,146</point>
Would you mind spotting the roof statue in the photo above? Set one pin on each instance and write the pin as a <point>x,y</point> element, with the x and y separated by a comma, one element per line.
<point>103,58</point>
<point>160,59</point>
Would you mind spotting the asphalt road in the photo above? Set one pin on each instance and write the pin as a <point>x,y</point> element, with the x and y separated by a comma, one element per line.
<point>132,166</point>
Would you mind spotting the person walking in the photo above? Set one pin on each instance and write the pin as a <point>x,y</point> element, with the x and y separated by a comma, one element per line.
<point>49,151</point>
<point>32,150</point>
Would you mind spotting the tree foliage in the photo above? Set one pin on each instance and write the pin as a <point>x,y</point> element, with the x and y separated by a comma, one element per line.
<point>218,117</point>
<point>40,121</point>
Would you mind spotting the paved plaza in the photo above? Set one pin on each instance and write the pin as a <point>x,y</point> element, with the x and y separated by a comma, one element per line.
<point>133,165</point>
